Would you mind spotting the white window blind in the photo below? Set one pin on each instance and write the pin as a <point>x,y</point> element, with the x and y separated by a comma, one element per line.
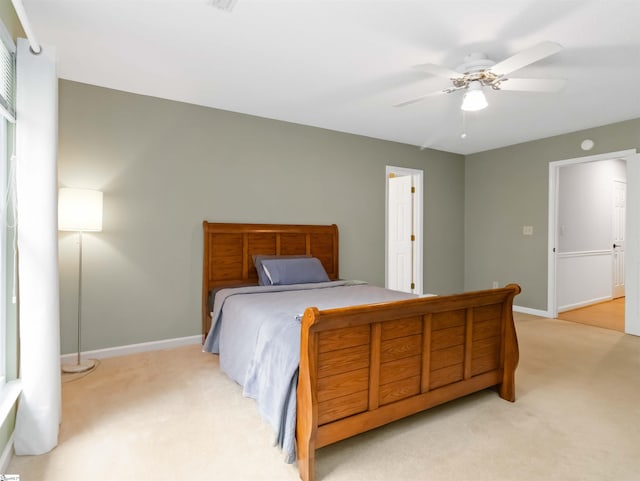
<point>7,77</point>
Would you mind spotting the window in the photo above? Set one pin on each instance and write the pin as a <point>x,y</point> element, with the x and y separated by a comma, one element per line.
<point>7,119</point>
<point>3,251</point>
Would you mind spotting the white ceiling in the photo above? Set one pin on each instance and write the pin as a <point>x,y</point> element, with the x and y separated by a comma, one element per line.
<point>342,65</point>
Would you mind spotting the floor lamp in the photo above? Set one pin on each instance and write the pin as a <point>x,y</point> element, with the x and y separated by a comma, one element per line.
<point>79,210</point>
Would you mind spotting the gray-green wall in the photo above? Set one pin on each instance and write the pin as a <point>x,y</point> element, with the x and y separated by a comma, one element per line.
<point>508,188</point>
<point>166,166</point>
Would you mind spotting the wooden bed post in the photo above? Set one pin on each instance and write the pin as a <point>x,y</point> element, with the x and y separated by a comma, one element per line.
<point>307,406</point>
<point>205,281</point>
<point>507,387</point>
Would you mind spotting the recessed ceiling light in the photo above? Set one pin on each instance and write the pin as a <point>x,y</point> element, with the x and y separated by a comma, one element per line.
<point>587,144</point>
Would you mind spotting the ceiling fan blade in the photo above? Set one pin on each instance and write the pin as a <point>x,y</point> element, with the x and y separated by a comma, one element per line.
<point>422,97</point>
<point>532,84</point>
<point>438,70</point>
<point>526,57</point>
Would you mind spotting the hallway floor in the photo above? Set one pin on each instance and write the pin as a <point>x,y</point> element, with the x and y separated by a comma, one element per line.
<point>608,315</point>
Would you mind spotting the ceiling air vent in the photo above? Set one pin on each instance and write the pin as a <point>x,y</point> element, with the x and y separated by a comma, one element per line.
<point>226,5</point>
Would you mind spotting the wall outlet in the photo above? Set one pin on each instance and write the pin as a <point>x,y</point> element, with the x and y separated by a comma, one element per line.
<point>495,284</point>
<point>527,230</point>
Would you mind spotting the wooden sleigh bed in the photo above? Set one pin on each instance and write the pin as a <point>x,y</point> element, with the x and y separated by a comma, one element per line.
<point>365,366</point>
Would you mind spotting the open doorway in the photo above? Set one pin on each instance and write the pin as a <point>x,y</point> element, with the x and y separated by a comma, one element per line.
<point>587,242</point>
<point>403,229</point>
<point>590,242</point>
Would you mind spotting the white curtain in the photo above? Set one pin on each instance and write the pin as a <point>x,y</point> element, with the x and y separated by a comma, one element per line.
<point>38,415</point>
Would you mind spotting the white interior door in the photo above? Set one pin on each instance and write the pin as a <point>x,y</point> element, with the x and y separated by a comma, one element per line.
<point>400,234</point>
<point>619,228</point>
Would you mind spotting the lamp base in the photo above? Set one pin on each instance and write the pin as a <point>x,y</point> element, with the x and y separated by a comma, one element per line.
<point>83,366</point>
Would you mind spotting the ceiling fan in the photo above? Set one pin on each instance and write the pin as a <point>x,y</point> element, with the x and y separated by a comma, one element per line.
<point>479,71</point>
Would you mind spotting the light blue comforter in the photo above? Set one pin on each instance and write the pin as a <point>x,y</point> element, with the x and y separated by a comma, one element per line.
<point>256,331</point>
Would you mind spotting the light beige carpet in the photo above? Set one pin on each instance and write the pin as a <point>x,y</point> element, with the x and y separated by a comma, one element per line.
<point>172,415</point>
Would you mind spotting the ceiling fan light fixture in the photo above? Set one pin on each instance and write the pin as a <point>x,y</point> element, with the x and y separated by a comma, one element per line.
<point>474,98</point>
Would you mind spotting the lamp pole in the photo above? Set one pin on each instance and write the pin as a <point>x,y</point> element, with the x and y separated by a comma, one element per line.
<point>79,292</point>
<point>89,364</point>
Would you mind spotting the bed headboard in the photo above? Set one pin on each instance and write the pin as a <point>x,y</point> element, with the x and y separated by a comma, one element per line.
<point>229,249</point>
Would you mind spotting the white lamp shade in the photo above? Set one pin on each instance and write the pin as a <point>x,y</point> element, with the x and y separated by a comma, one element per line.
<point>79,210</point>
<point>474,98</point>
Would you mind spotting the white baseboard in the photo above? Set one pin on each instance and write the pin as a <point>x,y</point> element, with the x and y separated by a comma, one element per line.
<point>7,454</point>
<point>132,349</point>
<point>577,305</point>
<point>533,312</point>
<point>185,341</point>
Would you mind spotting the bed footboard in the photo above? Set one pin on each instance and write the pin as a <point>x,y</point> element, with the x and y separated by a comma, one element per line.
<point>365,366</point>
